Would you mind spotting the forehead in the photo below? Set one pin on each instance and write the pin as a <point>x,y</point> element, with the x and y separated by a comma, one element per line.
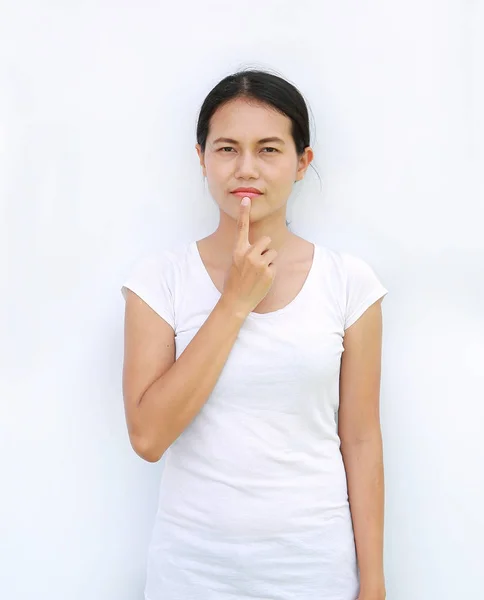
<point>243,119</point>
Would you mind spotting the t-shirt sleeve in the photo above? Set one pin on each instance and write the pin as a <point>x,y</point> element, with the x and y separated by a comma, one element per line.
<point>151,278</point>
<point>363,288</point>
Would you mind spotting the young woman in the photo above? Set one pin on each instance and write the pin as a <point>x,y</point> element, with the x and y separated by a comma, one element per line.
<point>252,363</point>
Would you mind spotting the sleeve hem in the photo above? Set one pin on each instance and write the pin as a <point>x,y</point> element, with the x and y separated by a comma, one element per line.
<point>148,299</point>
<point>371,299</point>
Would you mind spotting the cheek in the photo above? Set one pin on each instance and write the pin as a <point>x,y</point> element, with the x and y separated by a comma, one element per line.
<point>285,166</point>
<point>216,169</point>
<point>285,174</point>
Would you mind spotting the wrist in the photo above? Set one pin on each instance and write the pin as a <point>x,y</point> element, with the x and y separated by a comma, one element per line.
<point>233,309</point>
<point>372,591</point>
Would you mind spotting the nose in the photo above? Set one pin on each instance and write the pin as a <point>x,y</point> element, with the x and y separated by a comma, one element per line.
<point>246,166</point>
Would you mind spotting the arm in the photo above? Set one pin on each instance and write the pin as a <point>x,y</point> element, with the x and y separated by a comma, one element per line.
<point>161,395</point>
<point>361,445</point>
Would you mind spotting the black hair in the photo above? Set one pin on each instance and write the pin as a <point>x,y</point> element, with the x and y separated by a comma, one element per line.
<point>265,87</point>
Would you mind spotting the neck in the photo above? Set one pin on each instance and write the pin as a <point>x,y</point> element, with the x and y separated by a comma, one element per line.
<point>273,226</point>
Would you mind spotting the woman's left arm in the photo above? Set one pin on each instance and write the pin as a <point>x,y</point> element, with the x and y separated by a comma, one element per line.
<point>361,445</point>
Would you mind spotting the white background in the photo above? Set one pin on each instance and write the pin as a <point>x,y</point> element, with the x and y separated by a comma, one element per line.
<point>98,108</point>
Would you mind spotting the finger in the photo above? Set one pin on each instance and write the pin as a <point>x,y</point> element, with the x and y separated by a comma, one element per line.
<point>269,256</point>
<point>243,224</point>
<point>261,245</point>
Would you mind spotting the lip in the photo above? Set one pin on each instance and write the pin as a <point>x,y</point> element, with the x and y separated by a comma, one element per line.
<point>246,194</point>
<point>249,192</point>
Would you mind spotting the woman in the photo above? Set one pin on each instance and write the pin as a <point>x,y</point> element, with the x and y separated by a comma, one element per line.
<point>252,363</point>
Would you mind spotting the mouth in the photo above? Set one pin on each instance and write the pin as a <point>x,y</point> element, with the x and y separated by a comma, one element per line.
<point>249,192</point>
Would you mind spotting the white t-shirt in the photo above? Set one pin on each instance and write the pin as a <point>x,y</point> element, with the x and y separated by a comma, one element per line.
<point>253,501</point>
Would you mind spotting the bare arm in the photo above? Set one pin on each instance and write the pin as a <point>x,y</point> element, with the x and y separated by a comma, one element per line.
<point>176,390</point>
<point>361,445</point>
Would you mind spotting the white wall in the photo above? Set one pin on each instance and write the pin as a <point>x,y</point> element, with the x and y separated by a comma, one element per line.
<point>98,106</point>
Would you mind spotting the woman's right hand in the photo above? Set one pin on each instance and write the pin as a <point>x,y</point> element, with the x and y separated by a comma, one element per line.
<point>251,273</point>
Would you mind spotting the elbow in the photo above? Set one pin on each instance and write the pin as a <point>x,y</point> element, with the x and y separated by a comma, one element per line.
<point>150,457</point>
<point>146,449</point>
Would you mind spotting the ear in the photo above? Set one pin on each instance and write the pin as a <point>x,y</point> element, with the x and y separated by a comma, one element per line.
<point>304,163</point>
<point>201,157</point>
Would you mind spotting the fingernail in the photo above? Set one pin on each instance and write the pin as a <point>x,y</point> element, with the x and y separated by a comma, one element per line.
<point>245,201</point>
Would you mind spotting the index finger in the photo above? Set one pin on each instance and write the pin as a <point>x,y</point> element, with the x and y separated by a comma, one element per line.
<point>242,241</point>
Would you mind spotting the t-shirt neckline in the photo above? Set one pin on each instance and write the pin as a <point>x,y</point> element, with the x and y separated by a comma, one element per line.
<point>256,315</point>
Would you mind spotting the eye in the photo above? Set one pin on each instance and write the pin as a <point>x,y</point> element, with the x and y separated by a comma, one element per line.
<point>227,149</point>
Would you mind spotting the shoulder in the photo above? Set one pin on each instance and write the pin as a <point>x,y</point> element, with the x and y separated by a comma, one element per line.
<point>347,265</point>
<point>355,279</point>
<point>344,262</point>
<point>161,262</point>
<point>155,277</point>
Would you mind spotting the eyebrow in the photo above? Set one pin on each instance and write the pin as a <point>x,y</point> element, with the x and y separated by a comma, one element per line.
<point>262,141</point>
